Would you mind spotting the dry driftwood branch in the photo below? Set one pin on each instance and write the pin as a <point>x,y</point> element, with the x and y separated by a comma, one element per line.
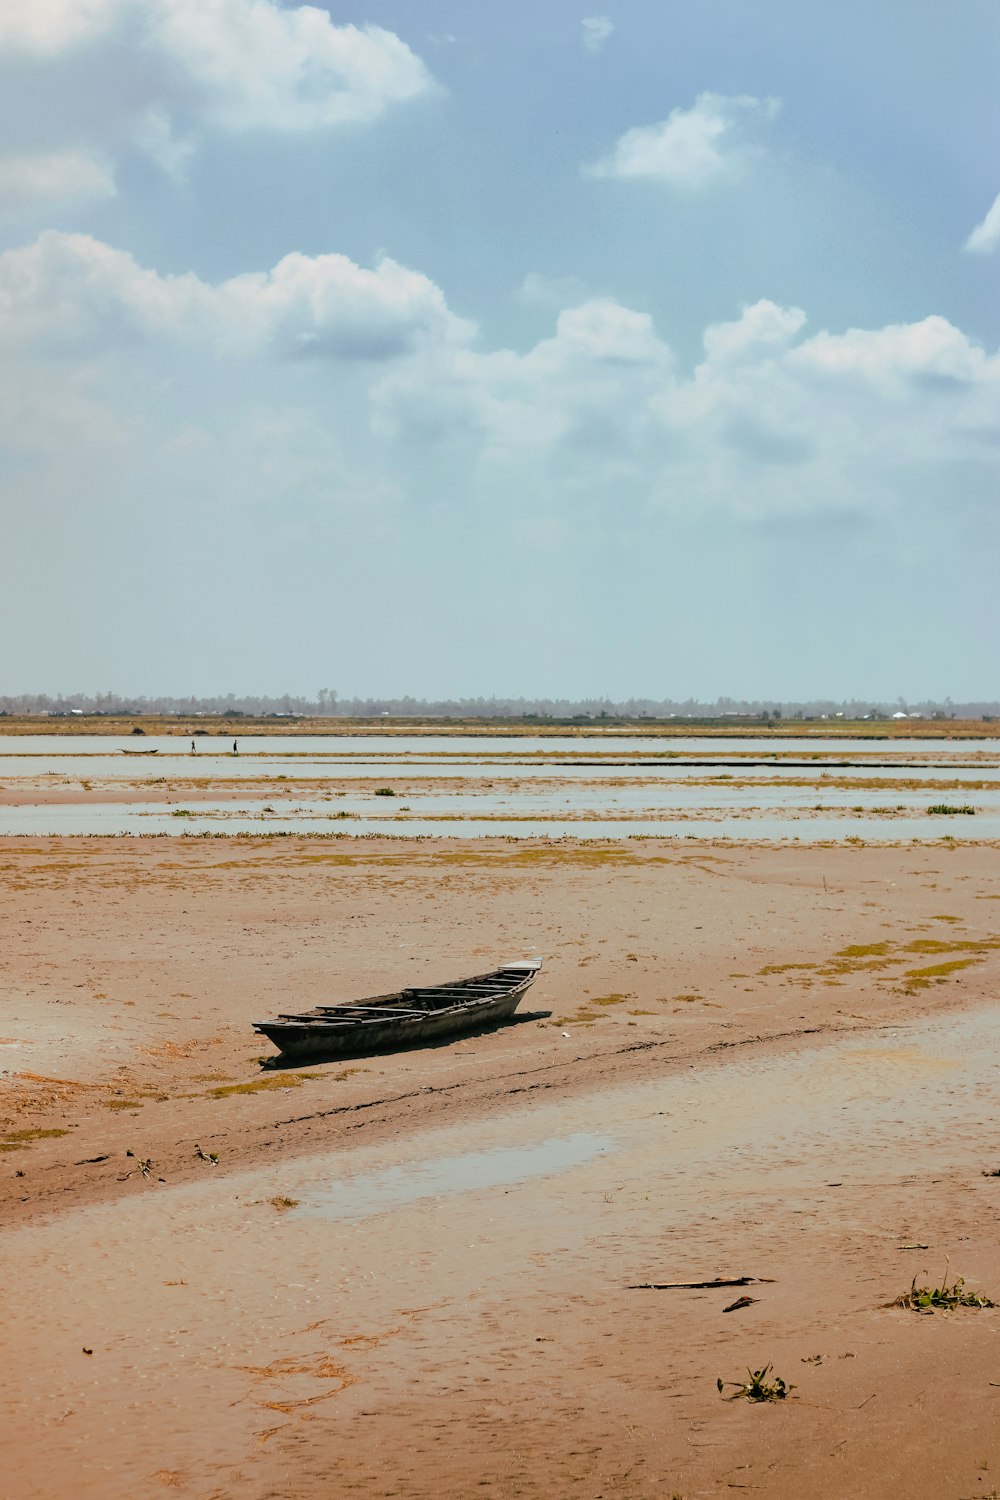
<point>698,1286</point>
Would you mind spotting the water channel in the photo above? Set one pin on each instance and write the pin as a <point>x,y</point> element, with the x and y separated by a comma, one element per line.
<point>813,789</point>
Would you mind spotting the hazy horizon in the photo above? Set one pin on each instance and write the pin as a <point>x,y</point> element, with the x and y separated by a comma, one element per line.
<point>329,704</point>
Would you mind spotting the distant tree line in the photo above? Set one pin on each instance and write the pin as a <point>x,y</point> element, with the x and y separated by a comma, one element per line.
<point>327,704</point>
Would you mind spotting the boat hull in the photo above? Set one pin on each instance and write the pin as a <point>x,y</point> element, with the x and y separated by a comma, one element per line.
<point>322,1034</point>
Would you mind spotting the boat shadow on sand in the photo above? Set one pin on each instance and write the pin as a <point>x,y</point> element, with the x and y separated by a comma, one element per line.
<point>431,1044</point>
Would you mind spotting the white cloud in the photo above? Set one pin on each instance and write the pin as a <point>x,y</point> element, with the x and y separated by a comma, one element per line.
<point>596,31</point>
<point>566,407</point>
<point>47,178</point>
<point>761,327</point>
<point>69,290</point>
<point>985,238</point>
<point>892,357</point>
<point>259,65</point>
<point>252,63</point>
<point>48,27</point>
<point>773,422</point>
<point>155,137</point>
<point>604,331</point>
<point>867,420</point>
<point>769,424</point>
<point>689,147</point>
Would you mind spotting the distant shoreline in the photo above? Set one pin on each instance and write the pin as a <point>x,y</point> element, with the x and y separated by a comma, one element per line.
<point>242,727</point>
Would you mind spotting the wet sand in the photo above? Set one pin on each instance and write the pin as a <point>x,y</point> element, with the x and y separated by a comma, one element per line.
<point>710,1041</point>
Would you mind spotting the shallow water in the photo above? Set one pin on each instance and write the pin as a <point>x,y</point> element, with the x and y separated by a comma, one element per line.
<point>765,1119</point>
<point>581,747</point>
<point>376,1192</point>
<point>111,819</point>
<point>465,786</point>
<point>186,769</point>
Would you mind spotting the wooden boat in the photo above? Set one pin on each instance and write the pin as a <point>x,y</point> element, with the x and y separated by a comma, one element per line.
<point>140,752</point>
<point>408,1018</point>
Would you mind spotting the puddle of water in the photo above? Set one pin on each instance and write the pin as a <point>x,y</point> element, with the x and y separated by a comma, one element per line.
<point>498,1166</point>
<point>747,1124</point>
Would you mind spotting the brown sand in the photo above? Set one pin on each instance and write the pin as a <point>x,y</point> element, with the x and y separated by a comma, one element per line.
<point>486,1343</point>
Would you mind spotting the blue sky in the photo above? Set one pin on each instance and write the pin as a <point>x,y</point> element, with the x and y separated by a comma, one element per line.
<point>440,348</point>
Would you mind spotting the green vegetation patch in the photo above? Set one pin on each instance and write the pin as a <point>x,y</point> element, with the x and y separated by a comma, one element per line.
<point>874,958</point>
<point>16,1140</point>
<point>758,1387</point>
<point>257,1086</point>
<point>777,969</point>
<point>921,978</point>
<point>938,945</point>
<point>929,1299</point>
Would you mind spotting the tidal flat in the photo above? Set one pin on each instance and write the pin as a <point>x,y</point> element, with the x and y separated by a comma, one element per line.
<point>423,1272</point>
<point>818,790</point>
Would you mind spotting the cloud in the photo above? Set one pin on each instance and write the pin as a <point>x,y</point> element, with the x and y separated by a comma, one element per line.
<point>596,31</point>
<point>761,328</point>
<point>250,64</point>
<point>770,424</point>
<point>70,291</point>
<point>43,179</point>
<point>891,358</point>
<point>691,146</point>
<point>561,410</point>
<point>603,331</point>
<point>598,419</point>
<point>985,238</point>
<point>859,422</point>
<point>258,65</point>
<point>47,27</point>
<point>155,138</point>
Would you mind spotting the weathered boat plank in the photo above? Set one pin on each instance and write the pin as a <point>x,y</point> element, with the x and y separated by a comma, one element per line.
<point>409,1018</point>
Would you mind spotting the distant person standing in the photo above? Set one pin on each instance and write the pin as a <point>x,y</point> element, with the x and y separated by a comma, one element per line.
<point>194,748</point>
<point>235,750</point>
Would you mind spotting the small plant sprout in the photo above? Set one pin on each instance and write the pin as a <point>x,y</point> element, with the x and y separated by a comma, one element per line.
<point>929,1299</point>
<point>758,1387</point>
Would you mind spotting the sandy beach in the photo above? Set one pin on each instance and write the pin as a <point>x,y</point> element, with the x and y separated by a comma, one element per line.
<point>192,1314</point>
